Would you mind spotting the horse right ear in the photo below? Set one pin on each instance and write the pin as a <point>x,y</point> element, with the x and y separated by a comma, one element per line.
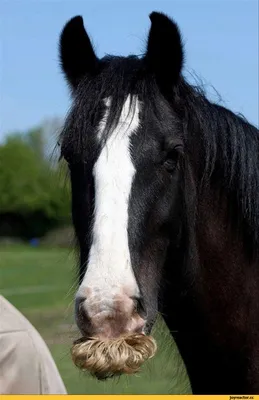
<point>76,52</point>
<point>164,55</point>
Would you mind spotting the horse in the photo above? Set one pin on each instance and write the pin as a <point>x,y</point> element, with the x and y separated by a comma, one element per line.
<point>165,206</point>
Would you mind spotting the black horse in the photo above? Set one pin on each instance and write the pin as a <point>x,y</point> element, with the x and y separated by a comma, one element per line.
<point>165,205</point>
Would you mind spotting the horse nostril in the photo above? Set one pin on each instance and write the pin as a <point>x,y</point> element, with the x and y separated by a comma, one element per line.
<point>139,306</point>
<point>79,302</point>
<point>81,314</point>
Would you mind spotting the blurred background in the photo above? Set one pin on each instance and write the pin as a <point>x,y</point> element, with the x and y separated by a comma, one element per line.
<point>37,260</point>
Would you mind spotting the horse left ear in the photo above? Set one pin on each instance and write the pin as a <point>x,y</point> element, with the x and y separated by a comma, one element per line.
<point>164,56</point>
<point>76,52</point>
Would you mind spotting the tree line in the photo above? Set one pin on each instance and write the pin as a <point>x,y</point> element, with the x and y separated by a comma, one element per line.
<point>34,186</point>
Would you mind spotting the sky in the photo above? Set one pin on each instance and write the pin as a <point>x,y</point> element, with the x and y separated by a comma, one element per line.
<point>220,36</point>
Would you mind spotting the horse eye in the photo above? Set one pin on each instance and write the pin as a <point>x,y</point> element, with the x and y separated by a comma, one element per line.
<point>171,160</point>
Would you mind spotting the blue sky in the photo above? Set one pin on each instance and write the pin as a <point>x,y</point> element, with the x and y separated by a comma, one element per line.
<point>221,44</point>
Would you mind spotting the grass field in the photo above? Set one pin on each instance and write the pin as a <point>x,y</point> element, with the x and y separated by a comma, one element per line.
<point>41,283</point>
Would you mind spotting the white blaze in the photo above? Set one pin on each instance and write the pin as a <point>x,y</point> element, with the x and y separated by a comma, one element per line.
<point>109,269</point>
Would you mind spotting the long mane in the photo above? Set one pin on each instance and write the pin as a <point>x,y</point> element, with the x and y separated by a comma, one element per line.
<point>229,148</point>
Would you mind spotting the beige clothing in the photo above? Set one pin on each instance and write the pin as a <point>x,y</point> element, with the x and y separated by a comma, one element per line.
<point>26,365</point>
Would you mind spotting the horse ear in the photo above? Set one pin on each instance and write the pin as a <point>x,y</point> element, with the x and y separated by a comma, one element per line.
<point>164,55</point>
<point>76,52</point>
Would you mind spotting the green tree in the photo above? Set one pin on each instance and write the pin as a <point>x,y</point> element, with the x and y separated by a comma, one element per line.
<point>29,185</point>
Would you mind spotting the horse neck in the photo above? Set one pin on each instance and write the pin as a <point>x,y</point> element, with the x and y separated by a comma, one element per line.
<point>227,280</point>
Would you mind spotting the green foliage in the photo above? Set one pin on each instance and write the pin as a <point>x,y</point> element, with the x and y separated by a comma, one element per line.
<point>36,141</point>
<point>29,185</point>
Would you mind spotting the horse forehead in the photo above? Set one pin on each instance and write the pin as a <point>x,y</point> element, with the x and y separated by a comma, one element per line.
<point>114,166</point>
<point>127,123</point>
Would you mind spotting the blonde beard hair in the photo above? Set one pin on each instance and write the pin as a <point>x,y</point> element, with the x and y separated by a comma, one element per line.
<point>105,358</point>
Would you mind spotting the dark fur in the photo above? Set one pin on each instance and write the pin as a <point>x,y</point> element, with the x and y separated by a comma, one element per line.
<point>194,210</point>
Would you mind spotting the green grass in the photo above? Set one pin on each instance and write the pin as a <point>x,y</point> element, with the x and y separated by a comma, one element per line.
<point>41,283</point>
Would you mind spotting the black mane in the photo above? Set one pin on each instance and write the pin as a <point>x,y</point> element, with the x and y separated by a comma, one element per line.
<point>229,147</point>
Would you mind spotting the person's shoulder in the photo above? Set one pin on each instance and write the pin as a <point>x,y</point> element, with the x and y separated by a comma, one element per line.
<point>19,365</point>
<point>24,354</point>
<point>11,319</point>
<point>17,329</point>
